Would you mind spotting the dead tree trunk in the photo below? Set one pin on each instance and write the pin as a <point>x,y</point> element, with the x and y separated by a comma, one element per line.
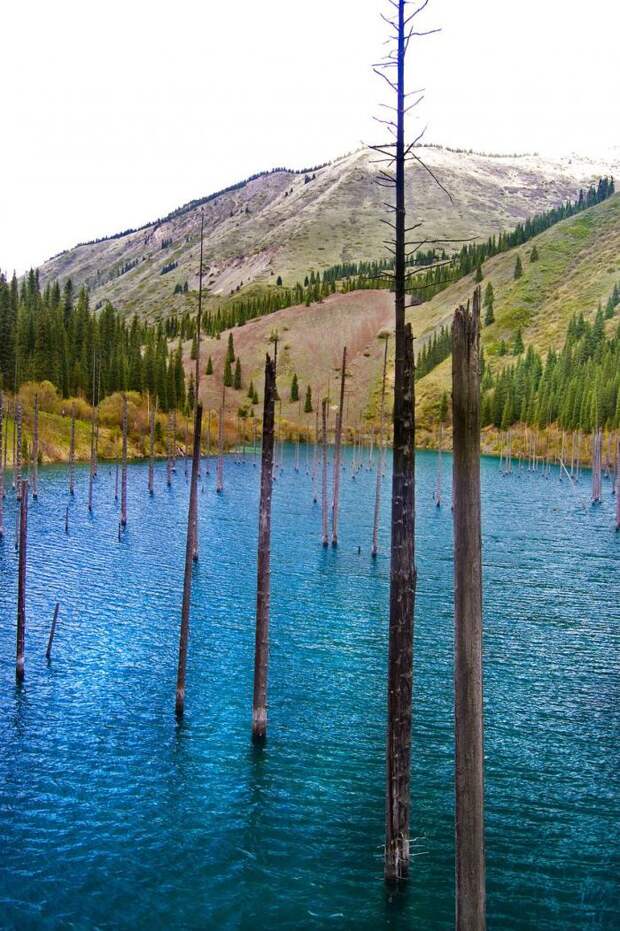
<point>402,568</point>
<point>1,466</point>
<point>468,715</point>
<point>48,652</point>
<point>35,449</point>
<point>151,475</point>
<point>17,434</point>
<point>194,515</point>
<point>597,441</point>
<point>324,514</point>
<point>124,467</point>
<point>219,470</point>
<point>21,583</point>
<point>169,452</point>
<point>91,471</point>
<point>375,523</point>
<point>197,381</point>
<point>617,487</point>
<point>187,579</point>
<point>337,451</point>
<point>72,453</point>
<point>261,657</point>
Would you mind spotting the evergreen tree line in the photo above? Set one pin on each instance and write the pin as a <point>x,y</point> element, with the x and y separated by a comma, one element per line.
<point>424,286</point>
<point>579,387</point>
<point>433,352</point>
<point>53,335</point>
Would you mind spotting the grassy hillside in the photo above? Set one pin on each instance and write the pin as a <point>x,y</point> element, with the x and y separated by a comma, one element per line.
<point>579,262</point>
<point>287,224</point>
<point>578,265</point>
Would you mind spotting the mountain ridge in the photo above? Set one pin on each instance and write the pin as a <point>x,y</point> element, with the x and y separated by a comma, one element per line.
<point>287,222</point>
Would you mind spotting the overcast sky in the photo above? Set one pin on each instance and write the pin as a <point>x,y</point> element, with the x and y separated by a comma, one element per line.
<point>115,113</point>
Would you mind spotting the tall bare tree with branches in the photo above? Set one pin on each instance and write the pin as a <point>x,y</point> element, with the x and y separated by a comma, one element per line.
<point>393,156</point>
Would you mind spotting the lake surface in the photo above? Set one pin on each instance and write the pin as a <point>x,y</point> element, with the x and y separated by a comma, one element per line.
<point>111,816</point>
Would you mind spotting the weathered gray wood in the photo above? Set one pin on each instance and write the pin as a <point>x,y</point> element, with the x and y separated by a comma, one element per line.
<point>48,652</point>
<point>337,453</point>
<point>468,711</point>
<point>187,578</point>
<point>375,524</point>
<point>18,441</point>
<point>402,565</point>
<point>151,472</point>
<point>324,515</point>
<point>263,587</point>
<point>35,448</point>
<point>72,453</point>
<point>21,583</point>
<point>2,460</point>
<point>124,467</point>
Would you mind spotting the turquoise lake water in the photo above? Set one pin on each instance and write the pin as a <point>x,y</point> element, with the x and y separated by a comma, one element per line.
<point>111,816</point>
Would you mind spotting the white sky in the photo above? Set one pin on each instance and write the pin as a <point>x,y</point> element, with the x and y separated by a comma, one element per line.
<point>115,113</point>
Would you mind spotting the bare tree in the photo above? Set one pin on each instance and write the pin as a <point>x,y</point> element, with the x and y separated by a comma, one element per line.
<point>187,578</point>
<point>72,453</point>
<point>259,712</point>
<point>1,465</point>
<point>151,472</point>
<point>35,449</point>
<point>375,523</point>
<point>402,572</point>
<point>124,467</point>
<point>197,376</point>
<point>324,517</point>
<point>337,451</point>
<point>21,583</point>
<point>468,717</point>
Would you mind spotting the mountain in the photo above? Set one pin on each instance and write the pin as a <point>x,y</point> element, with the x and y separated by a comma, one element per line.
<point>578,266</point>
<point>285,223</point>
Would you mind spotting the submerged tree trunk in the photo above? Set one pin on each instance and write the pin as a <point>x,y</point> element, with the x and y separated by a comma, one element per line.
<point>124,467</point>
<point>187,578</point>
<point>324,515</point>
<point>219,470</point>
<point>402,568</point>
<point>468,713</point>
<point>151,474</point>
<point>375,523</point>
<point>35,449</point>
<point>617,487</point>
<point>17,438</point>
<point>1,466</point>
<point>91,472</point>
<point>72,453</point>
<point>259,711</point>
<point>48,652</point>
<point>402,595</point>
<point>21,583</point>
<point>337,450</point>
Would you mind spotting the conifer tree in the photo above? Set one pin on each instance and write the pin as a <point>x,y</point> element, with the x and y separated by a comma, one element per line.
<point>518,268</point>
<point>209,368</point>
<point>478,276</point>
<point>237,378</point>
<point>518,346</point>
<point>251,390</point>
<point>489,298</point>
<point>228,375</point>
<point>230,352</point>
<point>534,254</point>
<point>308,402</point>
<point>294,388</point>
